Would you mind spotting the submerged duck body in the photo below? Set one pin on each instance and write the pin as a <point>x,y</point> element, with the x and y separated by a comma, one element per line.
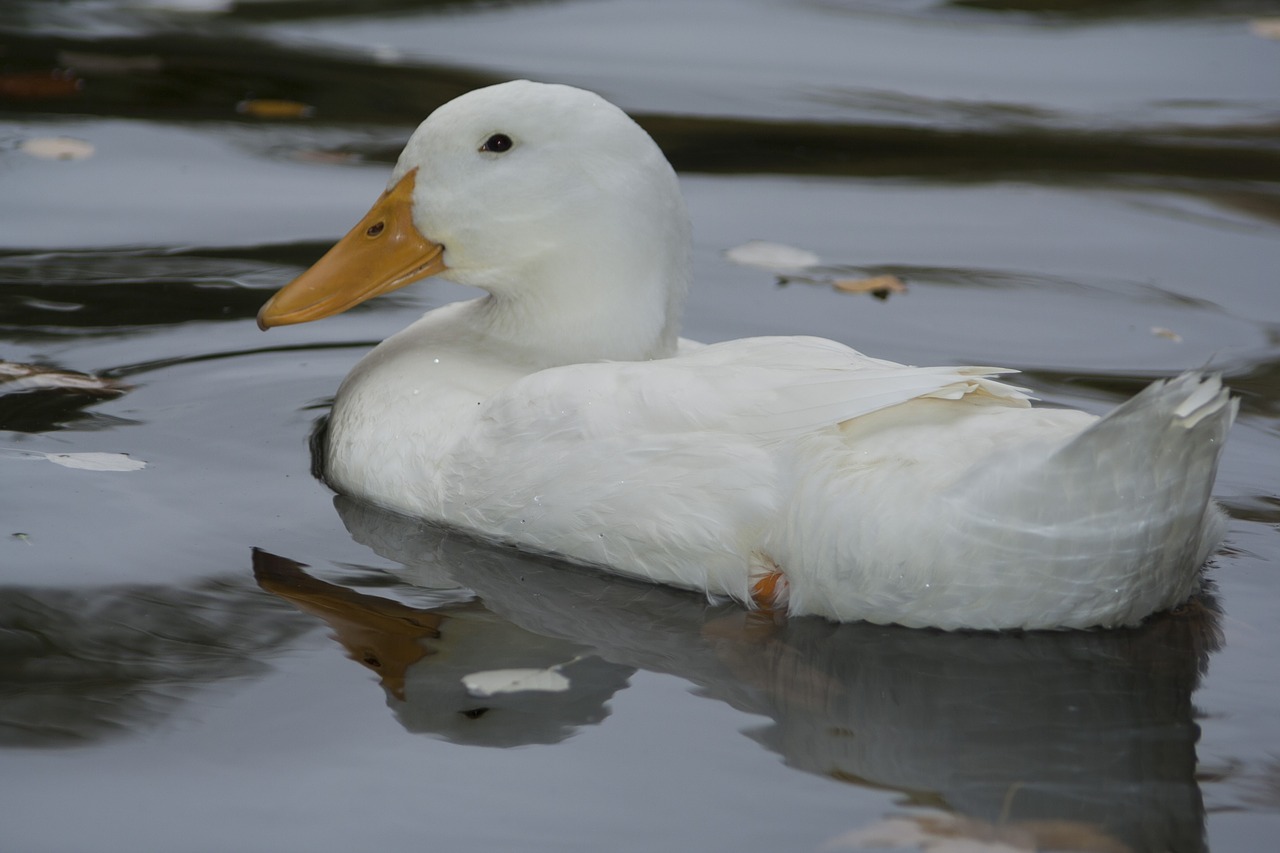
<point>561,413</point>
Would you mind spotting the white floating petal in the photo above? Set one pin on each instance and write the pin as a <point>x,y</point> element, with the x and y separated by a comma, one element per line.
<point>57,148</point>
<point>494,681</point>
<point>97,461</point>
<point>772,256</point>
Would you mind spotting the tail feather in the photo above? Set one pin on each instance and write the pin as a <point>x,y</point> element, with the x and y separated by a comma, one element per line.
<point>1115,523</point>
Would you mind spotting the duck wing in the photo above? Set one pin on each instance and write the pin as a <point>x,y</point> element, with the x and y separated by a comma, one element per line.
<point>767,387</point>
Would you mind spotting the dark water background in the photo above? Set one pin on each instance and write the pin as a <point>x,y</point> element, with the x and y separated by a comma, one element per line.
<point>1088,191</point>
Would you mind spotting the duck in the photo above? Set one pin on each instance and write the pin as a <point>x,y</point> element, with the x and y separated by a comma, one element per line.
<point>561,413</point>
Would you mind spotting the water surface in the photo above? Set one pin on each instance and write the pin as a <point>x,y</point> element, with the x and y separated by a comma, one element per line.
<point>214,653</point>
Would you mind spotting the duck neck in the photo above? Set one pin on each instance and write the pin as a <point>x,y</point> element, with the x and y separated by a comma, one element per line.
<point>627,310</point>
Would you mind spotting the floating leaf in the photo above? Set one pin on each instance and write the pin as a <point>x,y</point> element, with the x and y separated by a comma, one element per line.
<point>57,148</point>
<point>97,461</point>
<point>1168,334</point>
<point>328,158</point>
<point>272,108</point>
<point>879,286</point>
<point>16,378</point>
<point>798,265</point>
<point>494,681</point>
<point>776,257</point>
<point>36,85</point>
<point>1268,28</point>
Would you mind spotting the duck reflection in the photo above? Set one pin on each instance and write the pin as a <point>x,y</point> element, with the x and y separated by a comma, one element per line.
<point>452,643</point>
<point>1094,729</point>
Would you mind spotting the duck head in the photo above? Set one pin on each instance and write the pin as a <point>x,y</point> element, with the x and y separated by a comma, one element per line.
<point>548,197</point>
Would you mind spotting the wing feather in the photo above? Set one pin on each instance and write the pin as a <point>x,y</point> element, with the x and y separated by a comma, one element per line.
<point>769,387</point>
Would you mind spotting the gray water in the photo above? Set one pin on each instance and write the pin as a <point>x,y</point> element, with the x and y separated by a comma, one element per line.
<point>215,653</point>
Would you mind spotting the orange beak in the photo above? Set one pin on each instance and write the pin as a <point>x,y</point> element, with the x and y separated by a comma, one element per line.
<point>384,252</point>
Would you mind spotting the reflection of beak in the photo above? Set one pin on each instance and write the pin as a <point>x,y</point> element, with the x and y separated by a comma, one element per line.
<point>382,253</point>
<point>383,635</point>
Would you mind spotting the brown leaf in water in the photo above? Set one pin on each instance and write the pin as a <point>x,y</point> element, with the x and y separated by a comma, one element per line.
<point>274,108</point>
<point>1167,334</point>
<point>1268,28</point>
<point>879,286</point>
<point>40,84</point>
<point>327,158</point>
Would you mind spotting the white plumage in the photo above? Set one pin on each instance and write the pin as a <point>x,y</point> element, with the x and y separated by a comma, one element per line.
<point>561,414</point>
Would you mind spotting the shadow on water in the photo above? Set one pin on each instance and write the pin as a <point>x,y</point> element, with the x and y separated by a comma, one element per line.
<point>193,75</point>
<point>1083,729</point>
<point>177,75</point>
<point>79,294</point>
<point>77,666</point>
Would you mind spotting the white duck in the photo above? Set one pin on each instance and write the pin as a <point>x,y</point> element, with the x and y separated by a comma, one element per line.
<point>561,413</point>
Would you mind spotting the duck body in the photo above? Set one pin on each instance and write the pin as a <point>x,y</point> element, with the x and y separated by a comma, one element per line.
<point>949,504</point>
<point>560,413</point>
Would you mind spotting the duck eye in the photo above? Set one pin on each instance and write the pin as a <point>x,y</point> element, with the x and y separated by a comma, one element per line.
<point>498,143</point>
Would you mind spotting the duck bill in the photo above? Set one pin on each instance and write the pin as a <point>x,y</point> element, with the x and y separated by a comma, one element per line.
<point>384,252</point>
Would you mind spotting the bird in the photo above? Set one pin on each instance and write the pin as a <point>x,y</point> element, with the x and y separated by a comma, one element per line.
<point>562,414</point>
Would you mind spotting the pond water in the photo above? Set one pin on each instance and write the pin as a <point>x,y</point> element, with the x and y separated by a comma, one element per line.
<point>215,653</point>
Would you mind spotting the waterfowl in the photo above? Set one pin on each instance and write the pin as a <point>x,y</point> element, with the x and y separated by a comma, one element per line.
<point>561,412</point>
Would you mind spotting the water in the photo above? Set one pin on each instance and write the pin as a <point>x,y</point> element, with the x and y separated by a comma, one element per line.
<point>1089,192</point>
